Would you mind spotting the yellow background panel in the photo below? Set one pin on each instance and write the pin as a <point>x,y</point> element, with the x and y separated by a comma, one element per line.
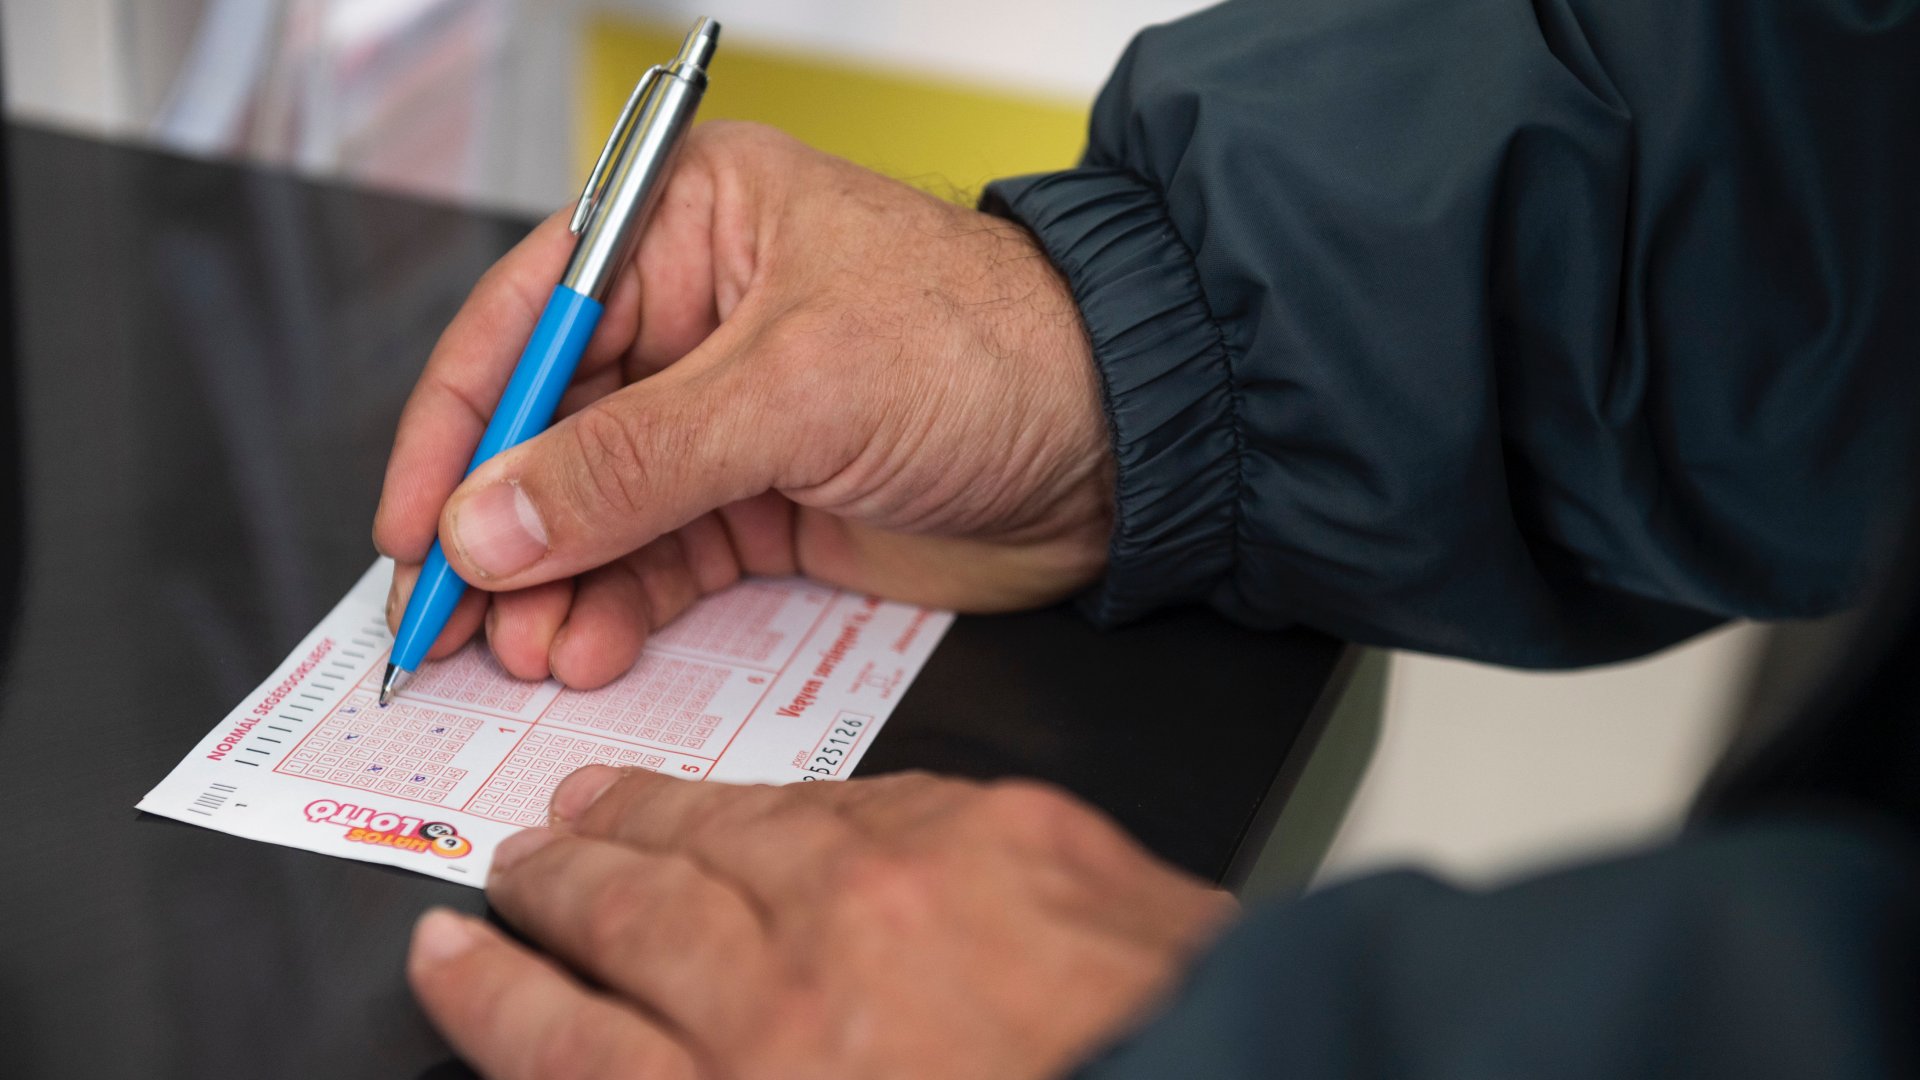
<point>942,136</point>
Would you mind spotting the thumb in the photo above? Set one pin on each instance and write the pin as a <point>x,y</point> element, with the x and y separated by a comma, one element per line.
<point>609,479</point>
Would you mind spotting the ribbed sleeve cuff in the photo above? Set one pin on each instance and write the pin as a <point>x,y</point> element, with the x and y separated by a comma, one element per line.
<point>1165,376</point>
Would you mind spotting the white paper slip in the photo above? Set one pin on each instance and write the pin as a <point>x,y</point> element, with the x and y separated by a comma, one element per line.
<point>771,681</point>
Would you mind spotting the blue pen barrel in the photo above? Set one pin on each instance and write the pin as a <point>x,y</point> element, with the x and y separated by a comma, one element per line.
<point>428,609</point>
<point>526,408</point>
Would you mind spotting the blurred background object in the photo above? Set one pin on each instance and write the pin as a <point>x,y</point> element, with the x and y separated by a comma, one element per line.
<point>12,516</point>
<point>453,98</point>
<point>502,103</point>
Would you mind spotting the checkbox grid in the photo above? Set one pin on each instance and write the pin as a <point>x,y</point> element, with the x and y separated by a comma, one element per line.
<point>472,677</point>
<point>736,624</point>
<point>406,749</point>
<point>662,700</point>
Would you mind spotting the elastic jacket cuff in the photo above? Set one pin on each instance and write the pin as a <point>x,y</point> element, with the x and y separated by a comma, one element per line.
<point>1165,377</point>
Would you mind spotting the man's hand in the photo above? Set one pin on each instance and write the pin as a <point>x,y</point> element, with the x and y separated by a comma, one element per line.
<point>810,368</point>
<point>901,926</point>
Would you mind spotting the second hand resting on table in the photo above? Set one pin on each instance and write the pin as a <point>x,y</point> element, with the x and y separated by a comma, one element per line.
<point>902,926</point>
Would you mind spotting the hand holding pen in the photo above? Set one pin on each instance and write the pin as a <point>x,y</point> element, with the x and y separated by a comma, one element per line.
<point>619,195</point>
<point>802,367</point>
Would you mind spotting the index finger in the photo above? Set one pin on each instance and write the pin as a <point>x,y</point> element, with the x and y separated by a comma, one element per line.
<point>464,378</point>
<point>601,800</point>
<point>773,843</point>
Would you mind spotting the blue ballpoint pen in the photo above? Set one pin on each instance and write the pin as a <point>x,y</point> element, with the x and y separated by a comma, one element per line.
<point>620,193</point>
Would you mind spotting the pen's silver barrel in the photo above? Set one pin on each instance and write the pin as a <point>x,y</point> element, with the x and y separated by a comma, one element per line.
<point>639,171</point>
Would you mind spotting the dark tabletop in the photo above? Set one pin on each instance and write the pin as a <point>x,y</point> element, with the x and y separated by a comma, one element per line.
<point>209,360</point>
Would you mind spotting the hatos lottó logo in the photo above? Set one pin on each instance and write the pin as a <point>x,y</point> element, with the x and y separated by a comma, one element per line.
<point>366,825</point>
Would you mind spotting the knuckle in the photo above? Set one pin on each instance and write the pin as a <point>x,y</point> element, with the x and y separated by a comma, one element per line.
<point>742,133</point>
<point>813,827</point>
<point>463,1003</point>
<point>1052,824</point>
<point>633,917</point>
<point>576,1046</point>
<point>608,798</point>
<point>610,462</point>
<point>1026,800</point>
<point>747,808</point>
<point>471,1000</point>
<point>791,349</point>
<point>722,131</point>
<point>619,915</point>
<point>887,888</point>
<point>1030,810</point>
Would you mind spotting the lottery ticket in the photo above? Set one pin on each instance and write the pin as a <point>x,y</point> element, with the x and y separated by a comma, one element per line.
<point>774,680</point>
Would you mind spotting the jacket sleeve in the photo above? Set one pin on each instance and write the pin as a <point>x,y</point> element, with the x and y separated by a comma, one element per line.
<point>1543,332</point>
<point>1785,947</point>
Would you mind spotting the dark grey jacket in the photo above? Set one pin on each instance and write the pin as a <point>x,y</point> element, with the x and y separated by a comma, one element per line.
<point>1545,332</point>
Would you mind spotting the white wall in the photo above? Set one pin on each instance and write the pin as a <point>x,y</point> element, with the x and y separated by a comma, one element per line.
<point>1483,772</point>
<point>1061,48</point>
<point>62,62</point>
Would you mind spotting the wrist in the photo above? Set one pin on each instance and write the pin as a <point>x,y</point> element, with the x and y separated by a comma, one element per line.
<point>1164,376</point>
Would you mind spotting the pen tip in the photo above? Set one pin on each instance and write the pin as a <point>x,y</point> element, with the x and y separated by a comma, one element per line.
<point>390,685</point>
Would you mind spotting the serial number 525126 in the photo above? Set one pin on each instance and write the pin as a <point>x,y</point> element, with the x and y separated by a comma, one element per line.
<point>832,751</point>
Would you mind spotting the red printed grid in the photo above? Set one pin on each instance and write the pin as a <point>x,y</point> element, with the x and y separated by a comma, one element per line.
<point>403,750</point>
<point>518,791</point>
<point>736,623</point>
<point>661,700</point>
<point>473,677</point>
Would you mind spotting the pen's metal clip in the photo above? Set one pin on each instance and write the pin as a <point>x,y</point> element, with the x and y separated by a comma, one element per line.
<point>621,129</point>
